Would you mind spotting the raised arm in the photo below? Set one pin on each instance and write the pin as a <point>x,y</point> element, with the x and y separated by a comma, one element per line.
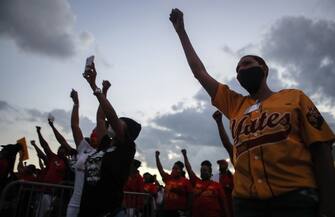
<point>60,138</point>
<point>217,115</point>
<point>44,143</point>
<point>39,152</point>
<point>189,170</point>
<point>197,67</point>
<point>159,166</point>
<point>101,125</point>
<point>118,126</point>
<point>76,131</point>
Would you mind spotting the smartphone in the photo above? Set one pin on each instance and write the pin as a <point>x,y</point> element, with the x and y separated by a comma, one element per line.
<point>89,62</point>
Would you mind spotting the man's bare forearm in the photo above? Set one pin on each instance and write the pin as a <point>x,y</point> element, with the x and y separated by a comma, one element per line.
<point>196,65</point>
<point>225,139</point>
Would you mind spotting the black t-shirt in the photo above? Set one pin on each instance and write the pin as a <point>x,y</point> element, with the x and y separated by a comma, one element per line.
<point>106,173</point>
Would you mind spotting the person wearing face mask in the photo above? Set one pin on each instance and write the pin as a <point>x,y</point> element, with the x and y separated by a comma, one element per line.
<point>227,184</point>
<point>177,193</point>
<point>208,196</point>
<point>135,183</point>
<point>282,144</point>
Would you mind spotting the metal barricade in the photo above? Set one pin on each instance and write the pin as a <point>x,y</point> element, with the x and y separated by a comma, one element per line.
<point>35,199</point>
<point>139,204</point>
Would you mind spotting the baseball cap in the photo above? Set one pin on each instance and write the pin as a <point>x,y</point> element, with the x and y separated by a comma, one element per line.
<point>133,127</point>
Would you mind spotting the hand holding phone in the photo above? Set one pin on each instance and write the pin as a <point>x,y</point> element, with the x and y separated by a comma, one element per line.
<point>89,62</point>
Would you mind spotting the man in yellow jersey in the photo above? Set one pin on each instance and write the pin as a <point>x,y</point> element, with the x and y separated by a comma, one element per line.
<point>282,145</point>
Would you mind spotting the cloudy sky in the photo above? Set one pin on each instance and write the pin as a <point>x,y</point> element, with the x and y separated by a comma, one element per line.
<point>44,44</point>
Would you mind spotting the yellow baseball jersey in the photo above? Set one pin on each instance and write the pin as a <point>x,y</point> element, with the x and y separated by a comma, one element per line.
<point>271,141</point>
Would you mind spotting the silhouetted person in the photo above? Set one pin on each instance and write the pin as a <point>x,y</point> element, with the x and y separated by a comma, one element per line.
<point>107,170</point>
<point>208,196</point>
<point>177,192</point>
<point>282,145</point>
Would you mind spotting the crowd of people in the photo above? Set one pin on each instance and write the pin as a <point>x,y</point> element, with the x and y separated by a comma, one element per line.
<point>102,165</point>
<point>281,153</point>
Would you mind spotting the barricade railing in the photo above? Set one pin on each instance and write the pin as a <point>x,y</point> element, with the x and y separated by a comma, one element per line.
<point>35,199</point>
<point>139,204</point>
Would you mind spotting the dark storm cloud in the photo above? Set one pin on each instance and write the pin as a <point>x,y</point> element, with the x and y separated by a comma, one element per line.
<point>192,126</point>
<point>41,26</point>
<point>327,5</point>
<point>62,118</point>
<point>4,105</point>
<point>305,48</point>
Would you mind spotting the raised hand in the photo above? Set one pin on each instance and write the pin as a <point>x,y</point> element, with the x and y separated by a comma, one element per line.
<point>176,18</point>
<point>38,128</point>
<point>157,153</point>
<point>90,75</point>
<point>217,115</point>
<point>74,96</point>
<point>51,119</point>
<point>183,151</point>
<point>105,86</point>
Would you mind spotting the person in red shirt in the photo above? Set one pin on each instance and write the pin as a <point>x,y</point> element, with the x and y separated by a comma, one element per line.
<point>135,183</point>
<point>208,196</point>
<point>7,160</point>
<point>178,190</point>
<point>227,183</point>
<point>42,160</point>
<point>150,184</point>
<point>54,172</point>
<point>55,165</point>
<point>26,172</point>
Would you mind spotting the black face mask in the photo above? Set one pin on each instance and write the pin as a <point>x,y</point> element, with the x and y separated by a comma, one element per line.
<point>205,176</point>
<point>251,78</point>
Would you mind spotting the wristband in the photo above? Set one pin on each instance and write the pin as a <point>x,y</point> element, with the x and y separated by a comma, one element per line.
<point>97,90</point>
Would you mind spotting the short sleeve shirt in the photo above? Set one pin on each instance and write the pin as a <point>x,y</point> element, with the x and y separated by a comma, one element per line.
<point>106,173</point>
<point>176,193</point>
<point>151,188</point>
<point>135,183</point>
<point>208,197</point>
<point>271,141</point>
<point>55,170</point>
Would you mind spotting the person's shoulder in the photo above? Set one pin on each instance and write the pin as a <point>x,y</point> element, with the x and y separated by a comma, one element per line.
<point>185,180</point>
<point>53,157</point>
<point>288,94</point>
<point>291,91</point>
<point>194,179</point>
<point>224,88</point>
<point>138,176</point>
<point>166,177</point>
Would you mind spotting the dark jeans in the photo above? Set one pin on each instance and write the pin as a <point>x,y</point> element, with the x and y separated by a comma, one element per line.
<point>299,203</point>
